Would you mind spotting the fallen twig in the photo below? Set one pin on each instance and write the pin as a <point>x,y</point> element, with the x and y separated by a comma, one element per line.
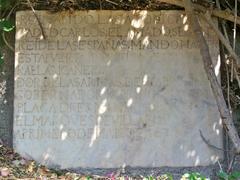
<point>235,26</point>
<point>100,4</point>
<point>211,145</point>
<point>215,12</point>
<point>38,20</point>
<point>228,89</point>
<point>6,42</point>
<point>237,77</point>
<point>221,38</point>
<point>112,2</point>
<point>230,166</point>
<point>227,40</point>
<point>3,33</point>
<point>220,166</point>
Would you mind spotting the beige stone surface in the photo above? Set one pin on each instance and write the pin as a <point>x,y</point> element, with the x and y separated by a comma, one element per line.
<point>113,88</point>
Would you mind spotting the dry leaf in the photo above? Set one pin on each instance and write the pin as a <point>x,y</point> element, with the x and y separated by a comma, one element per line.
<point>43,170</point>
<point>30,167</point>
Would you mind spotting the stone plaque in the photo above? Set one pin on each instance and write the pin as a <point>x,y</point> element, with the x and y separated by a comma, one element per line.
<point>107,89</point>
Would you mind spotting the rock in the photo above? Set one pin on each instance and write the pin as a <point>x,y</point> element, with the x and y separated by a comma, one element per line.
<point>4,172</point>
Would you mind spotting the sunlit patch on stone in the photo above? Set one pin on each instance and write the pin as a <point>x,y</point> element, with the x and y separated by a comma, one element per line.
<point>145,79</point>
<point>102,108</point>
<point>129,102</point>
<point>64,135</point>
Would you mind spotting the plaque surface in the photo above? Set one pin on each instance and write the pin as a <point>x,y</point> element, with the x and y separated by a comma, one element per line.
<point>106,89</point>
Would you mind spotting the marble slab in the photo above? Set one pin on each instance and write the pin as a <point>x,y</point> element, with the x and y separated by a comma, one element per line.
<point>107,89</point>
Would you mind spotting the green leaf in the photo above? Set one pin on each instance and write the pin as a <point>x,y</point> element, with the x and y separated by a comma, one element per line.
<point>222,175</point>
<point>186,176</point>
<point>1,59</point>
<point>169,176</point>
<point>150,178</point>
<point>194,176</point>
<point>234,175</point>
<point>5,4</point>
<point>89,178</point>
<point>6,25</point>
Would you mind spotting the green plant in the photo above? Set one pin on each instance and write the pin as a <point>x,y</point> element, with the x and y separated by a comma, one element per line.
<point>193,176</point>
<point>162,177</point>
<point>5,24</point>
<point>229,176</point>
<point>166,177</point>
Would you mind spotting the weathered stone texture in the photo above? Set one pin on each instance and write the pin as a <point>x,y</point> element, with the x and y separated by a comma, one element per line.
<point>113,88</point>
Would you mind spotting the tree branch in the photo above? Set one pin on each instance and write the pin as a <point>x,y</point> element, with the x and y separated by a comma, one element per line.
<point>216,88</point>
<point>215,12</point>
<point>209,144</point>
<point>221,38</point>
<point>38,20</point>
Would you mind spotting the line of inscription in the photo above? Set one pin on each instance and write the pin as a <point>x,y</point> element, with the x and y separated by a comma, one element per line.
<point>79,82</point>
<point>102,19</point>
<point>106,44</point>
<point>87,133</point>
<point>107,32</point>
